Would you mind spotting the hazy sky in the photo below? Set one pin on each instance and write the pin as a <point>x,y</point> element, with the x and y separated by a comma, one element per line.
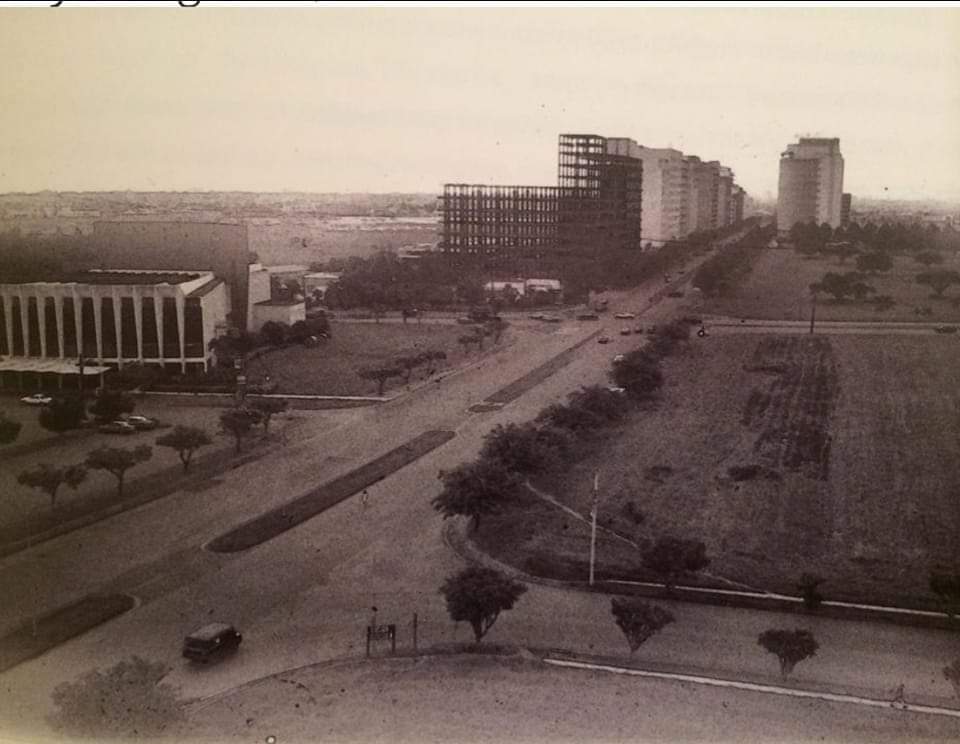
<point>374,99</point>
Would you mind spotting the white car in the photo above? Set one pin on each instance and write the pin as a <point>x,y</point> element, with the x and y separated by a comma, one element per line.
<point>618,358</point>
<point>616,389</point>
<point>624,316</point>
<point>37,399</point>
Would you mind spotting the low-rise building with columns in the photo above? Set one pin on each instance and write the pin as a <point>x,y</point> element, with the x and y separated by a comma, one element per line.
<point>112,317</point>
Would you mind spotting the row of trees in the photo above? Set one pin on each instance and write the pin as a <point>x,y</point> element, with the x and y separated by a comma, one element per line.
<point>924,242</point>
<point>718,273</point>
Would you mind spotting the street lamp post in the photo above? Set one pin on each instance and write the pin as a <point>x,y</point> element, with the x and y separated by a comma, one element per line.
<point>813,311</point>
<point>593,524</point>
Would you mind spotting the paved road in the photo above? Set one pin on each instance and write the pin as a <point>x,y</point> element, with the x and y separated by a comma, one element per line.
<point>306,595</point>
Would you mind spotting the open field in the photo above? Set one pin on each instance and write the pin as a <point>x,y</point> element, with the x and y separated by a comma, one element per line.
<point>844,457</point>
<point>777,289</point>
<point>331,368</point>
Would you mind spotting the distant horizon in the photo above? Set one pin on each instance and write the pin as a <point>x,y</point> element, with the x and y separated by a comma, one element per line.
<point>762,199</point>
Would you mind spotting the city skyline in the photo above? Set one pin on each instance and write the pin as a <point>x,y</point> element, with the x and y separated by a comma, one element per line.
<point>377,100</point>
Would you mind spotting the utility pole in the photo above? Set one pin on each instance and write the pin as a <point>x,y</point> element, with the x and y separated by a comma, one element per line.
<point>813,311</point>
<point>593,524</point>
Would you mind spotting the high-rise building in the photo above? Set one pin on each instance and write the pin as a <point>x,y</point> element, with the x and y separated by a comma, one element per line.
<point>811,183</point>
<point>664,190</point>
<point>846,201</point>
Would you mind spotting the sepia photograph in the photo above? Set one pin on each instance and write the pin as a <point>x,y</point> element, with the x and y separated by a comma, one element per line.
<point>484,373</point>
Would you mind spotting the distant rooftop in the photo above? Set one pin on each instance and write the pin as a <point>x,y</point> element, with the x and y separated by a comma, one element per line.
<point>122,276</point>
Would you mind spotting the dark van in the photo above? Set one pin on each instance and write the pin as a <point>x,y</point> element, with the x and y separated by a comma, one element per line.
<point>211,641</point>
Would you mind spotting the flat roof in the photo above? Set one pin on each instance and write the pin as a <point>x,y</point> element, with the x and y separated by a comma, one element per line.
<point>205,289</point>
<point>118,276</point>
<point>280,303</point>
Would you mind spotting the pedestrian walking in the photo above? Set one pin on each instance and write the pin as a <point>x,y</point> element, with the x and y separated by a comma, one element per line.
<point>364,499</point>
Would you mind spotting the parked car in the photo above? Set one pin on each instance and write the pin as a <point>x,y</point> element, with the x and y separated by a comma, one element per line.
<point>945,329</point>
<point>625,331</point>
<point>588,316</point>
<point>466,321</point>
<point>141,423</point>
<point>624,316</point>
<point>617,390</point>
<point>550,319</point>
<point>638,329</point>
<point>37,399</point>
<point>117,427</point>
<point>618,358</point>
<point>537,316</point>
<point>603,340</point>
<point>211,641</point>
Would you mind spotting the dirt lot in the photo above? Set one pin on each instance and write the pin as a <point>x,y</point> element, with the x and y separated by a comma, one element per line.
<point>331,368</point>
<point>845,461</point>
<point>776,289</point>
<point>473,698</point>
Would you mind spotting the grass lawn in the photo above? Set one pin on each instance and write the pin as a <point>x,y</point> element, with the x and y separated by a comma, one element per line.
<point>331,368</point>
<point>856,454</point>
<point>777,289</point>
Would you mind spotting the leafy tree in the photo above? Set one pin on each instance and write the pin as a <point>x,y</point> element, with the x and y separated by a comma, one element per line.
<point>62,414</point>
<point>573,418</point>
<point>519,448</point>
<point>673,557</point>
<point>431,357</point>
<point>467,341</point>
<point>408,364</point>
<point>789,646</point>
<point>809,589</point>
<point>478,595</point>
<point>874,262</point>
<point>298,331</point>
<point>238,423</point>
<point>604,403</point>
<point>127,700</point>
<point>638,620</point>
<point>267,408</point>
<point>9,429</point>
<point>380,375</point>
<point>843,251</point>
<point>495,327</point>
<point>185,440</point>
<point>274,333</point>
<point>952,675</point>
<point>928,258</point>
<point>475,489</point>
<point>639,374</point>
<point>939,280</point>
<point>109,404</point>
<point>117,461</point>
<point>947,588</point>
<point>49,478</point>
<point>842,286</point>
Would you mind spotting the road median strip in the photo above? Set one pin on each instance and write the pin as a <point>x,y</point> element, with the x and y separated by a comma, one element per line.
<point>287,516</point>
<point>59,626</point>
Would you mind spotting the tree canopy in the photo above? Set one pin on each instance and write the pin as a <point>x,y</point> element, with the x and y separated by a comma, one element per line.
<point>477,488</point>
<point>673,557</point>
<point>789,646</point>
<point>117,461</point>
<point>478,595</point>
<point>49,478</point>
<point>638,620</point>
<point>185,440</point>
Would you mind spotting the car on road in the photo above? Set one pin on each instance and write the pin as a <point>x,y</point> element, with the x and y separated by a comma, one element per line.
<point>37,399</point>
<point>117,427</point>
<point>551,319</point>
<point>675,293</point>
<point>537,316</point>
<point>141,423</point>
<point>638,329</point>
<point>945,329</point>
<point>617,390</point>
<point>618,358</point>
<point>624,316</point>
<point>211,641</point>
<point>588,316</point>
<point>625,331</point>
<point>603,340</point>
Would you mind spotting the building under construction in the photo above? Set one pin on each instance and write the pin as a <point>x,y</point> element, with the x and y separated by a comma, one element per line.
<point>537,230</point>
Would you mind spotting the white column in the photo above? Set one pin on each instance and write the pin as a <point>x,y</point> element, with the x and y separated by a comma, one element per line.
<point>117,325</point>
<point>180,301</point>
<point>42,323</point>
<point>158,317</point>
<point>138,321</point>
<point>58,312</point>
<point>78,319</point>
<point>24,324</point>
<point>8,321</point>
<point>97,322</point>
